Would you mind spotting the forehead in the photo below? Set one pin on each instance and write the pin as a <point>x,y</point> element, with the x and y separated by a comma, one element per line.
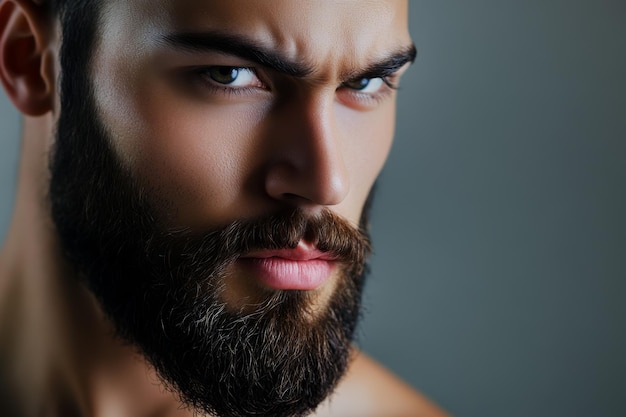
<point>335,33</point>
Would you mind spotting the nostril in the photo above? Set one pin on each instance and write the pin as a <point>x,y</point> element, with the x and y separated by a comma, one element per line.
<point>306,190</point>
<point>294,197</point>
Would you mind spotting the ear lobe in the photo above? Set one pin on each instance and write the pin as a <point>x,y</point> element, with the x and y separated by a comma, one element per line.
<point>26,63</point>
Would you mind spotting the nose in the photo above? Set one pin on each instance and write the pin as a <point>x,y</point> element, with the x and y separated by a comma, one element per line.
<point>307,163</point>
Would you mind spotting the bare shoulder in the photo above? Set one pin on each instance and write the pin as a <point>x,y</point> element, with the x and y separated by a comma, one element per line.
<point>368,389</point>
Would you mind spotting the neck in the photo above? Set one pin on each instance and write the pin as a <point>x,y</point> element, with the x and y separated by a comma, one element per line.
<point>57,351</point>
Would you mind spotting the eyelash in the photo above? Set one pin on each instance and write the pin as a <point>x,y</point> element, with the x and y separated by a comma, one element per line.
<point>200,75</point>
<point>366,101</point>
<point>385,91</point>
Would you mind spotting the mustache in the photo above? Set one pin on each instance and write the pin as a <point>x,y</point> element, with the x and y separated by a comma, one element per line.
<point>327,231</point>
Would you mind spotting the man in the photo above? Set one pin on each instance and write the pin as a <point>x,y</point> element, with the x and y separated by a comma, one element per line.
<point>190,230</point>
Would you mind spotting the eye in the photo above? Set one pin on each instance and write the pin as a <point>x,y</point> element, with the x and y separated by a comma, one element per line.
<point>366,85</point>
<point>239,77</point>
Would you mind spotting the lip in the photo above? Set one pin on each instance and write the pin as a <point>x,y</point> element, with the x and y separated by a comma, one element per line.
<point>299,253</point>
<point>301,268</point>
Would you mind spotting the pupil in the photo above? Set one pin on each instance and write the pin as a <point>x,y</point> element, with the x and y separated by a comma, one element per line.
<point>359,84</point>
<point>363,82</point>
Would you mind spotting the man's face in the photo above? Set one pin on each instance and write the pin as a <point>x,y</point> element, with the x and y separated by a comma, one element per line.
<point>221,157</point>
<point>245,140</point>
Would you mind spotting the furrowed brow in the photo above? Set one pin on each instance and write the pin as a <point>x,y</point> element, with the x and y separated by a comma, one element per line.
<point>386,66</point>
<point>239,46</point>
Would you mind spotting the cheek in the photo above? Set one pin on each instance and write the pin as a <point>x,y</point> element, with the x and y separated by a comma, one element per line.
<point>190,155</point>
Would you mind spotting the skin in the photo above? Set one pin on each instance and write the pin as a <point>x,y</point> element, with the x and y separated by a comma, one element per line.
<point>210,154</point>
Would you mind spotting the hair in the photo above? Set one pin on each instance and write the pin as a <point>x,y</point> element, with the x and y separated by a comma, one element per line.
<point>61,6</point>
<point>74,10</point>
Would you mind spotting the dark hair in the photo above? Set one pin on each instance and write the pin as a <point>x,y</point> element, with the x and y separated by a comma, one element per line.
<point>78,19</point>
<point>72,9</point>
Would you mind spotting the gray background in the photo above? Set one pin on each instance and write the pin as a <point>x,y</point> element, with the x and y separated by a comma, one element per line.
<point>499,271</point>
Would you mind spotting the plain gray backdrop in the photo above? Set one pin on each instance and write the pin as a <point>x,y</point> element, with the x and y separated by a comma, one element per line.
<point>498,282</point>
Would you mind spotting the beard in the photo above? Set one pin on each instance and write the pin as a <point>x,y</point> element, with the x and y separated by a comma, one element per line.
<point>163,289</point>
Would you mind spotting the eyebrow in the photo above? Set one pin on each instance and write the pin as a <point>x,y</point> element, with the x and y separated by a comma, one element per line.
<point>252,50</point>
<point>237,45</point>
<point>388,65</point>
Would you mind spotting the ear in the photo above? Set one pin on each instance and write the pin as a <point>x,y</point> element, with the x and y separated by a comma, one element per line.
<point>26,58</point>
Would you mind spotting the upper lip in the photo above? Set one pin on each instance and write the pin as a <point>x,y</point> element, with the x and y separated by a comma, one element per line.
<point>302,252</point>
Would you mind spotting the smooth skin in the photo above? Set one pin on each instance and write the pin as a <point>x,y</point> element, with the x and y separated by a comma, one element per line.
<point>215,149</point>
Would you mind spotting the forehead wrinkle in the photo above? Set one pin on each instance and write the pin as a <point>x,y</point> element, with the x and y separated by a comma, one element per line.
<point>349,51</point>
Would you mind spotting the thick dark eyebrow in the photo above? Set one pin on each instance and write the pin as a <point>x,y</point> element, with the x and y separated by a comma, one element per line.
<point>239,46</point>
<point>386,66</point>
<point>251,50</point>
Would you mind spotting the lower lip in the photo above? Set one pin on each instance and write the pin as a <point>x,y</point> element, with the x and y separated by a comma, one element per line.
<point>286,274</point>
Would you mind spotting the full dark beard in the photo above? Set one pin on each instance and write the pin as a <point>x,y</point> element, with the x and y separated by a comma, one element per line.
<point>162,289</point>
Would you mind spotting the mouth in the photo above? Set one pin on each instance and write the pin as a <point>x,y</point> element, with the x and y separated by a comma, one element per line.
<point>301,268</point>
